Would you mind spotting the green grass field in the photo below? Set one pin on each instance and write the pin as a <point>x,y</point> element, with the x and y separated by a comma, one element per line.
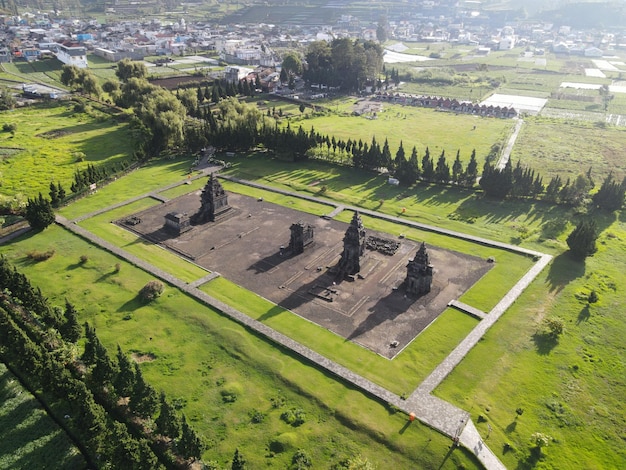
<point>45,146</point>
<point>570,389</point>
<point>29,438</point>
<point>198,354</point>
<point>567,148</point>
<point>417,127</point>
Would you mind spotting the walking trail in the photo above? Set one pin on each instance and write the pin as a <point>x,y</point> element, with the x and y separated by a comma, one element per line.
<point>433,411</point>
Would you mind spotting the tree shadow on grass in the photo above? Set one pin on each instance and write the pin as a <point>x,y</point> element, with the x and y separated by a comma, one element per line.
<point>563,270</point>
<point>583,315</point>
<point>544,343</point>
<point>132,304</point>
<point>511,427</point>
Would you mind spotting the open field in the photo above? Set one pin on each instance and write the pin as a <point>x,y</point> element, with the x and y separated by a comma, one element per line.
<point>569,389</point>
<point>198,354</point>
<point>47,144</point>
<point>417,127</point>
<point>28,436</point>
<point>567,148</point>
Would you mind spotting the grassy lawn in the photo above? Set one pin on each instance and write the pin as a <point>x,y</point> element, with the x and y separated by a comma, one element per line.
<point>417,127</point>
<point>567,148</point>
<point>200,356</point>
<point>28,436</point>
<point>152,176</point>
<point>400,375</point>
<point>571,388</point>
<point>158,256</point>
<point>46,142</point>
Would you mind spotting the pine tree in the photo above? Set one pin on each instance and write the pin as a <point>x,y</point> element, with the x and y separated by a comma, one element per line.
<point>582,240</point>
<point>167,423</point>
<point>54,194</point>
<point>143,399</point>
<point>89,354</point>
<point>189,444</point>
<point>386,159</point>
<point>610,196</point>
<point>428,168</point>
<point>70,329</point>
<point>472,171</point>
<point>39,213</point>
<point>239,463</point>
<point>125,379</point>
<point>457,169</point>
<point>442,170</point>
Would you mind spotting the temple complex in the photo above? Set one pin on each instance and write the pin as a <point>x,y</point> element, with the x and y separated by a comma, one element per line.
<point>419,273</point>
<point>214,202</point>
<point>353,248</point>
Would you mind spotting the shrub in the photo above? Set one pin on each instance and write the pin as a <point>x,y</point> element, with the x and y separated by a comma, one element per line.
<point>256,416</point>
<point>151,290</point>
<point>300,460</point>
<point>40,255</point>
<point>554,327</point>
<point>9,127</point>
<point>231,392</point>
<point>117,267</point>
<point>84,259</point>
<point>294,417</point>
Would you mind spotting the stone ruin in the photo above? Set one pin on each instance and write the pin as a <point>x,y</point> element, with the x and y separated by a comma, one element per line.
<point>177,223</point>
<point>419,274</point>
<point>353,248</point>
<point>301,237</point>
<point>213,202</point>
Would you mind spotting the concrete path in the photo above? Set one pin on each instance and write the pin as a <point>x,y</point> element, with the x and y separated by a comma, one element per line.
<point>467,309</point>
<point>506,153</point>
<point>433,411</point>
<point>335,212</point>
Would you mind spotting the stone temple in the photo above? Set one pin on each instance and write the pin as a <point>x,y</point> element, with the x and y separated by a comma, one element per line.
<point>214,202</point>
<point>419,273</point>
<point>353,248</point>
<point>302,235</point>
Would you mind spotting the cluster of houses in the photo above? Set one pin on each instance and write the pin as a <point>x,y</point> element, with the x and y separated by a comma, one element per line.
<point>37,35</point>
<point>448,104</point>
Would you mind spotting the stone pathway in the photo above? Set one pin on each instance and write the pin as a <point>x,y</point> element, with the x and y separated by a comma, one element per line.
<point>506,153</point>
<point>205,279</point>
<point>334,213</point>
<point>433,411</point>
<point>467,309</point>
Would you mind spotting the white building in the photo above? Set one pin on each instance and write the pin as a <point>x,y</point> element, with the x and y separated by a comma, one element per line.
<point>72,55</point>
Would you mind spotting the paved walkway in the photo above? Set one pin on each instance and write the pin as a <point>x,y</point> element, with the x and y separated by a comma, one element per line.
<point>433,411</point>
<point>467,309</point>
<point>506,153</point>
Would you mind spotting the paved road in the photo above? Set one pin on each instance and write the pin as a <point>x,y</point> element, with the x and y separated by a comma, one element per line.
<point>433,411</point>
